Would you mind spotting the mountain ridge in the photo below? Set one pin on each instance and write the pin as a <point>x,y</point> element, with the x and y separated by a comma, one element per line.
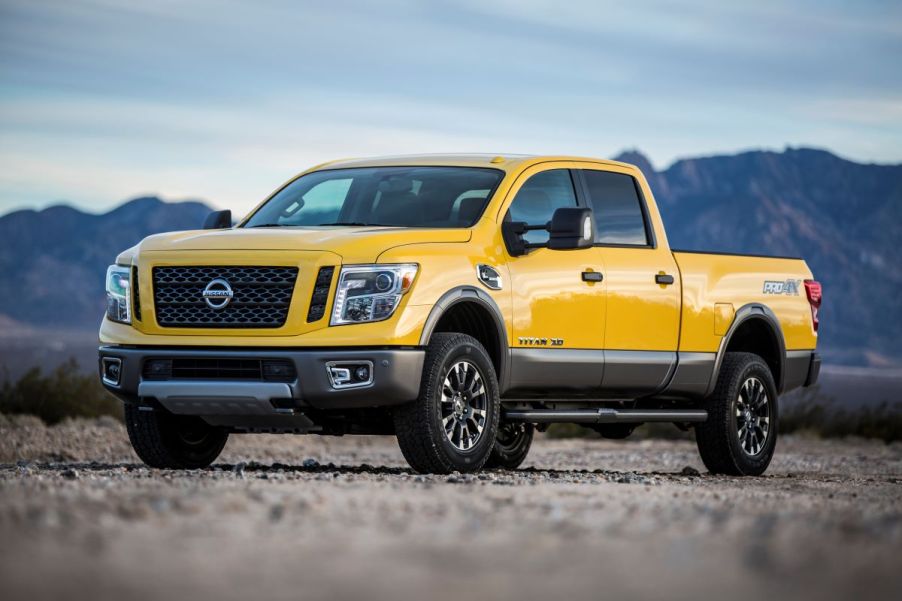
<point>842,217</point>
<point>54,259</point>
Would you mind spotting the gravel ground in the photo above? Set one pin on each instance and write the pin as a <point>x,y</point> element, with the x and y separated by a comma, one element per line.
<point>339,518</point>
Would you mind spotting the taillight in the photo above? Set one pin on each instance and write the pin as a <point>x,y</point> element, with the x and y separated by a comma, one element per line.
<point>813,290</point>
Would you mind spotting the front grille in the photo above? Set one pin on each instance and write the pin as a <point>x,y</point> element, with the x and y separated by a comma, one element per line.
<point>203,368</point>
<point>261,296</point>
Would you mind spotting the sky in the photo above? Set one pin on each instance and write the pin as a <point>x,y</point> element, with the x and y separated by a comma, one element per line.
<point>101,101</point>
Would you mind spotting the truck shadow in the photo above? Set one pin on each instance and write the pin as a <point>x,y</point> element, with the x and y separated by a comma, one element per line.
<point>348,470</point>
<point>524,476</point>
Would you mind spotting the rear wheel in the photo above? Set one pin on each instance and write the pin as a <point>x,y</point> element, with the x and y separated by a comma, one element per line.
<point>165,440</point>
<point>740,434</point>
<point>452,425</point>
<point>511,446</point>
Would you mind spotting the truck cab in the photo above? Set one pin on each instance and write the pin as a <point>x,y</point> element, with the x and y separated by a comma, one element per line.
<point>459,303</point>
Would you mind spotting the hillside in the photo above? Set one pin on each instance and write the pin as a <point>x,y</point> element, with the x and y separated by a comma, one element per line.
<point>844,218</point>
<point>53,261</point>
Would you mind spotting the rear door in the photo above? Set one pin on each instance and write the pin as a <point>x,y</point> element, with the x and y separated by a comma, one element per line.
<point>642,284</point>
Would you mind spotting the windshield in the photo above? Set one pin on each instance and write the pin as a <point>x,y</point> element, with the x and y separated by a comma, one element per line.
<point>442,197</point>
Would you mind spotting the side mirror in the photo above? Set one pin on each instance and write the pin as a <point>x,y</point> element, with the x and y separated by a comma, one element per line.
<point>512,233</point>
<point>218,220</point>
<point>570,229</point>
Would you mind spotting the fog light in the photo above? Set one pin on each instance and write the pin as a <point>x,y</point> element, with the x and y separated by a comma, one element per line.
<point>111,370</point>
<point>349,374</point>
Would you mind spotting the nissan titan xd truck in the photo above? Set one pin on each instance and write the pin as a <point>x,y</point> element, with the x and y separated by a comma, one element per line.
<point>459,303</point>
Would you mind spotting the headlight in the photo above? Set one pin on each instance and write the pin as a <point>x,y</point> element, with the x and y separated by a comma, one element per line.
<point>118,299</point>
<point>370,292</point>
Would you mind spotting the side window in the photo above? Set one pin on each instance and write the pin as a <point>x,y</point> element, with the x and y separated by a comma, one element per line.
<point>539,197</point>
<point>321,204</point>
<point>617,208</point>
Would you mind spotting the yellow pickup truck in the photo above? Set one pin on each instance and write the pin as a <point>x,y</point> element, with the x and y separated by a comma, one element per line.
<point>457,302</point>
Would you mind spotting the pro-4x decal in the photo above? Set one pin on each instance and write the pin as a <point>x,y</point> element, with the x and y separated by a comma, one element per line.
<point>787,287</point>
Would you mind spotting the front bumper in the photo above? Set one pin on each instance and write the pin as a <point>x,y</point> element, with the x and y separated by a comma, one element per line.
<point>395,380</point>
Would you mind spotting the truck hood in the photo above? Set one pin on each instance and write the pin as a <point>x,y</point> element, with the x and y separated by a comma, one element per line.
<point>353,244</point>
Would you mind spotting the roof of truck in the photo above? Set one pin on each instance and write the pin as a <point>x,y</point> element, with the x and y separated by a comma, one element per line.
<point>497,161</point>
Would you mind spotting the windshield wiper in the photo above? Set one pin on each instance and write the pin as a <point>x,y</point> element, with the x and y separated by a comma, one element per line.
<point>355,223</point>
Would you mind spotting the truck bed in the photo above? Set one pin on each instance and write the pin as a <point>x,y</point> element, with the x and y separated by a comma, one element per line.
<point>717,285</point>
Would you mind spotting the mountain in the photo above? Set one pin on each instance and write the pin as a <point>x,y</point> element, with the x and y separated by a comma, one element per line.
<point>843,218</point>
<point>53,261</point>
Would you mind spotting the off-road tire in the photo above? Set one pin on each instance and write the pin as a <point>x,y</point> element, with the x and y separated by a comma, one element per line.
<point>418,425</point>
<point>510,451</point>
<point>718,438</point>
<point>164,440</point>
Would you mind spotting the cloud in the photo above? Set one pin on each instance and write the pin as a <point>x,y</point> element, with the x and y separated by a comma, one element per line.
<point>224,100</point>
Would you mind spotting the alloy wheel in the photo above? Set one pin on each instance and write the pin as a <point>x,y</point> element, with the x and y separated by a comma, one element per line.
<point>752,416</point>
<point>463,406</point>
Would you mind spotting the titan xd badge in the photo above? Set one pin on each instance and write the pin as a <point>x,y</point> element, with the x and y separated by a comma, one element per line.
<point>529,341</point>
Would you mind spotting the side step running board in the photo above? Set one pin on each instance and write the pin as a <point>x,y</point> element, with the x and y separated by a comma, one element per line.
<point>605,416</point>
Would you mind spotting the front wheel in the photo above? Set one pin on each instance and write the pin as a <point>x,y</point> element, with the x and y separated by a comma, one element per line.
<point>452,425</point>
<point>165,440</point>
<point>740,433</point>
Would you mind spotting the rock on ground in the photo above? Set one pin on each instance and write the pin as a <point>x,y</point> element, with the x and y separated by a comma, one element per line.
<point>339,518</point>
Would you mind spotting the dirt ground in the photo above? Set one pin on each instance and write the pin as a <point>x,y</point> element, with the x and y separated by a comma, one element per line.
<point>283,517</point>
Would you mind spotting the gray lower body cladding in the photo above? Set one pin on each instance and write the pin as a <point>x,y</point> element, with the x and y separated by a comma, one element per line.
<point>395,380</point>
<point>619,374</point>
<point>599,373</point>
<point>535,373</point>
<point>801,369</point>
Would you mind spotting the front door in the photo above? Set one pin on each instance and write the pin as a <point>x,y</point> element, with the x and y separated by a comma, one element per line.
<point>558,306</point>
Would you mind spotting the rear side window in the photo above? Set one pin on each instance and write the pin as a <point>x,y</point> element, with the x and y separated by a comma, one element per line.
<point>539,197</point>
<point>619,218</point>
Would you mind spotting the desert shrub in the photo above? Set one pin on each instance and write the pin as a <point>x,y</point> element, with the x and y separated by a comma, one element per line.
<point>810,414</point>
<point>805,411</point>
<point>64,392</point>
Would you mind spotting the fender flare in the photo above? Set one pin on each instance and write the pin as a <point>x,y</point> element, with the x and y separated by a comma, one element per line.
<point>471,294</point>
<point>745,313</point>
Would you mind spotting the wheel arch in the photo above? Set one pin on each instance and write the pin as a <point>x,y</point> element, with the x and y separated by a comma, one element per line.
<point>472,311</point>
<point>755,329</point>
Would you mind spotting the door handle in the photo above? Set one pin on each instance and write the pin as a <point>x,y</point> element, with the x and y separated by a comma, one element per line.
<point>592,276</point>
<point>663,278</point>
